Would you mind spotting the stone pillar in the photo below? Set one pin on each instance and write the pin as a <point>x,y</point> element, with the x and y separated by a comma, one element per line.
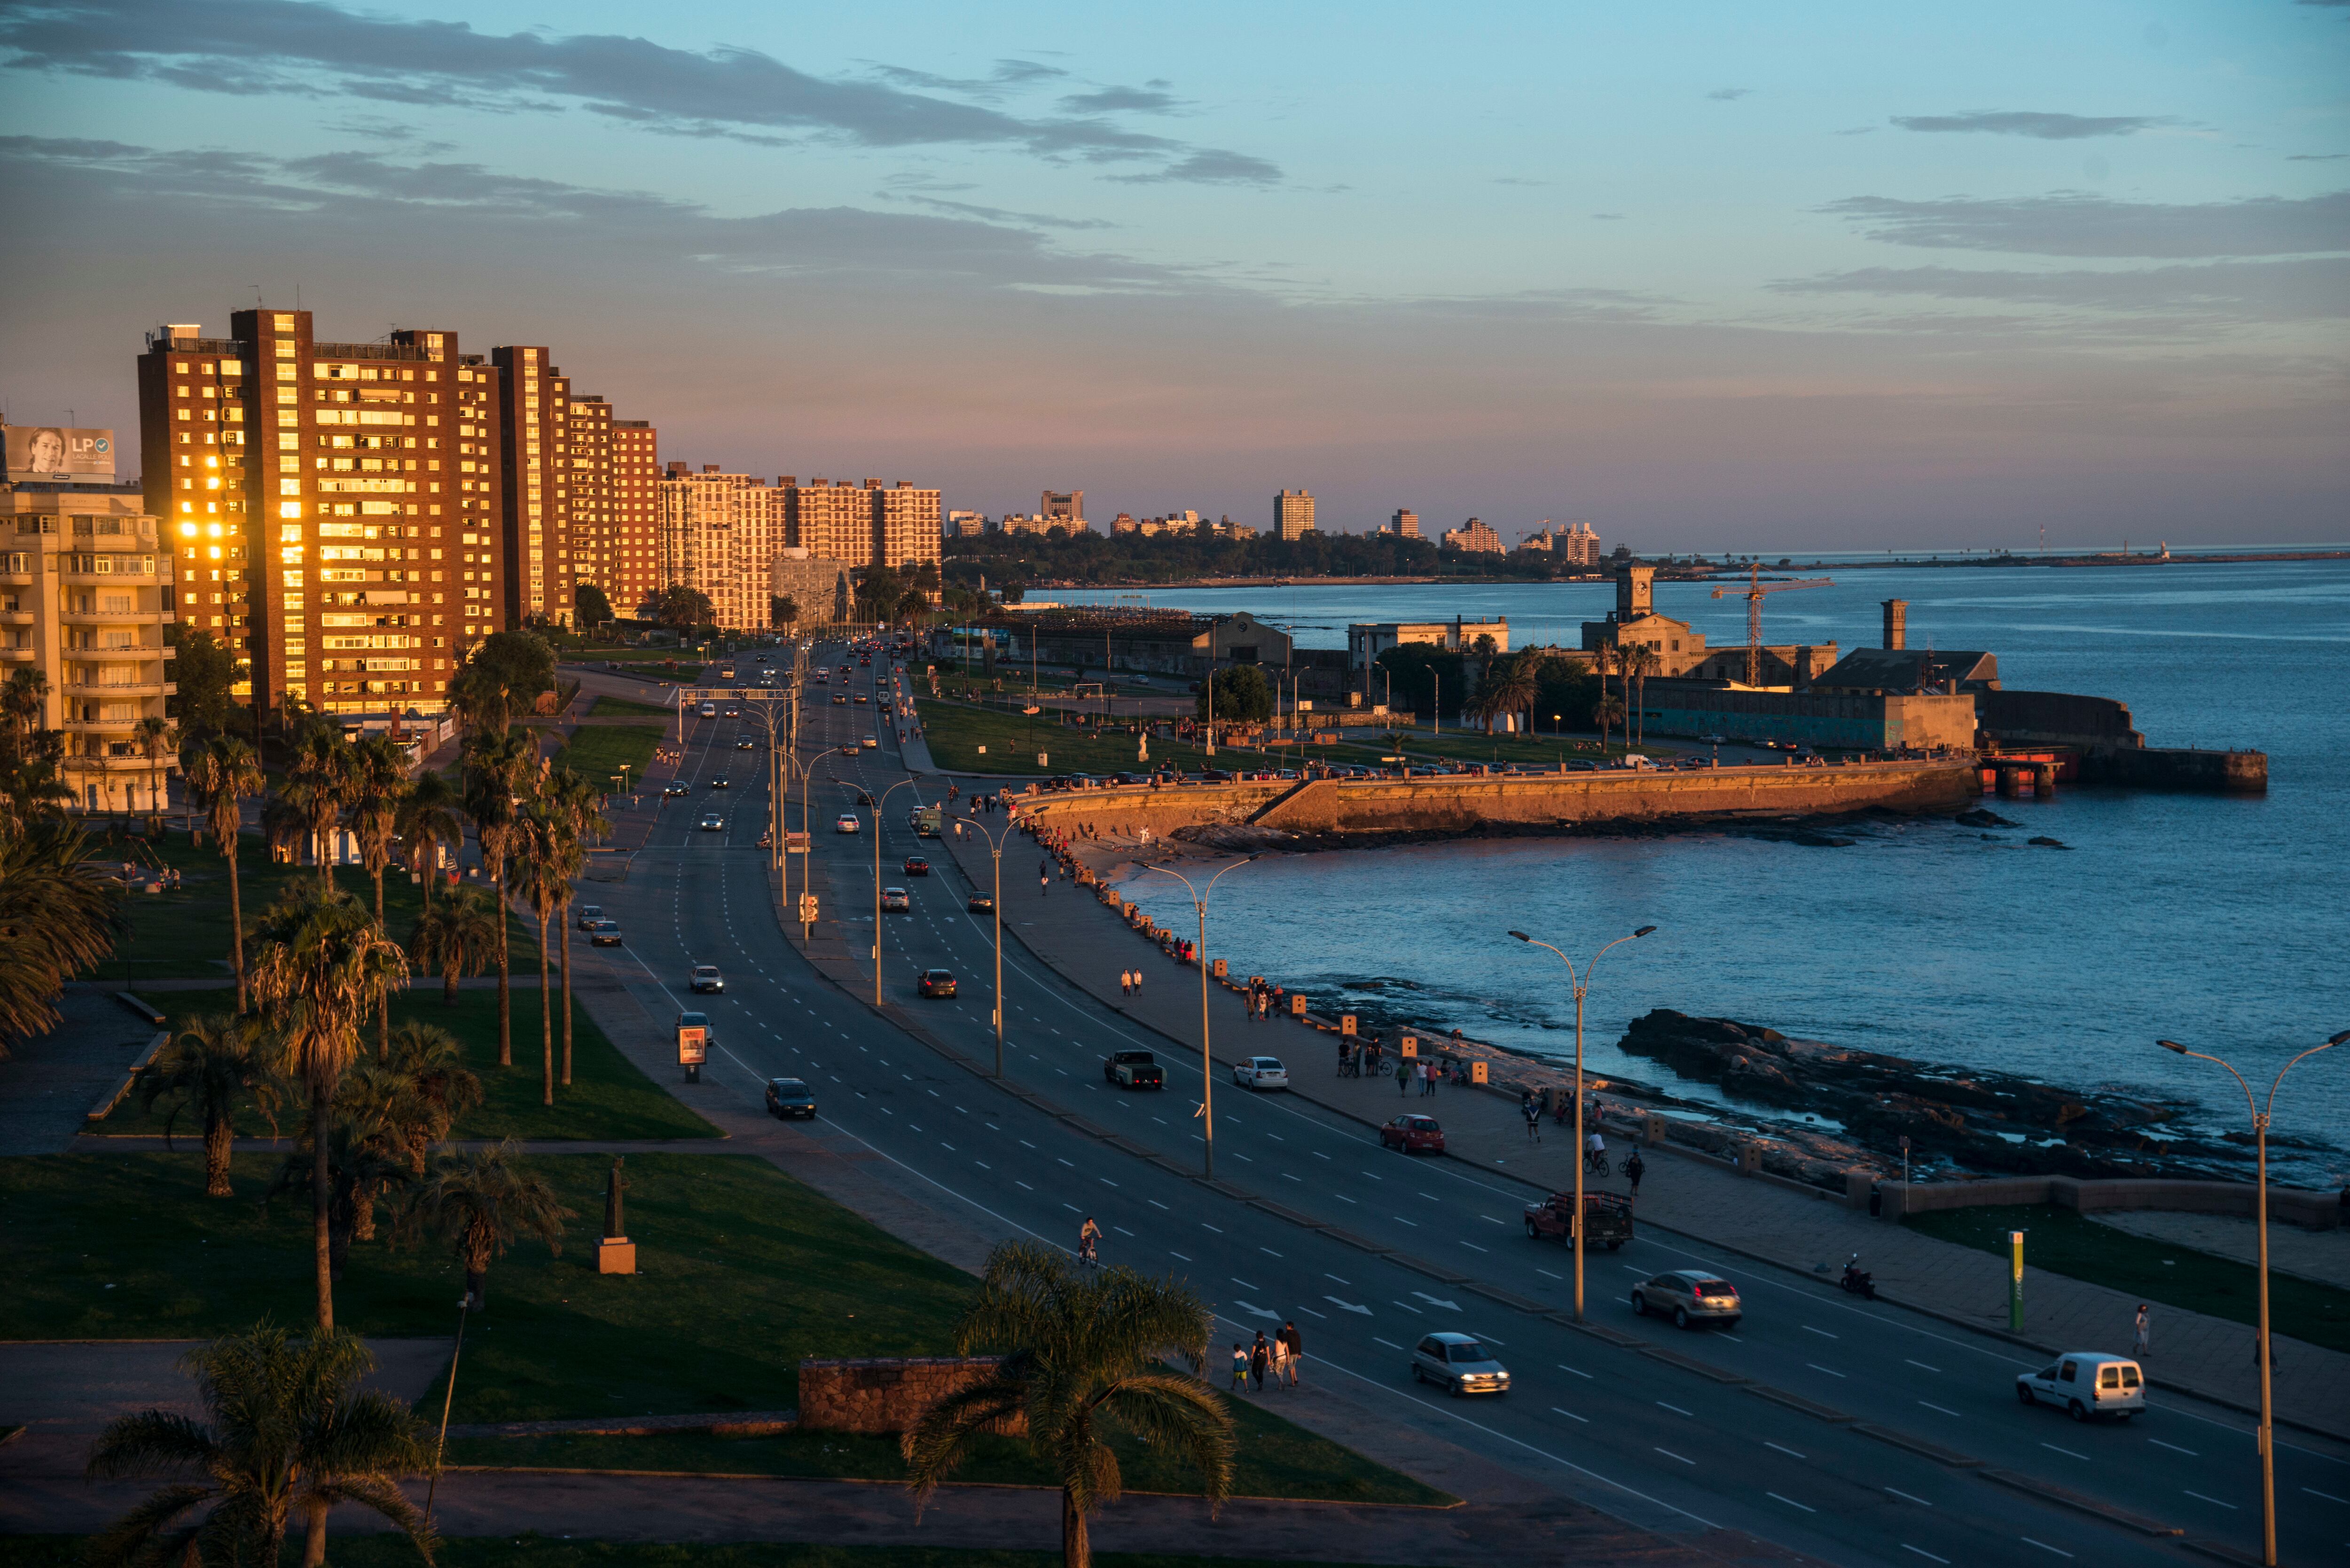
<point>1750,1158</point>
<point>2044,781</point>
<point>1856,1184</point>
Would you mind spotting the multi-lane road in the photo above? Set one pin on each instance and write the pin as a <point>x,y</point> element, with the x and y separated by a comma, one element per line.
<point>1656,1443</point>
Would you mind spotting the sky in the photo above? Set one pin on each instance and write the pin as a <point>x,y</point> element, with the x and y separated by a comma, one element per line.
<point>1715,277</point>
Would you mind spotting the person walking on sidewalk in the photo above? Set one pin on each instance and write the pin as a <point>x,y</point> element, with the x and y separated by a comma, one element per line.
<point>1294,1343</point>
<point>1634,1169</point>
<point>1532,1110</point>
<point>1279,1351</point>
<point>1137,982</point>
<point>1260,1359</point>
<point>2139,1347</point>
<point>1403,1078</point>
<point>1240,1367</point>
<point>1125,983</point>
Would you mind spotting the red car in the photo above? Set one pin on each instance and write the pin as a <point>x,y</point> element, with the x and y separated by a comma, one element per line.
<point>917,866</point>
<point>1413,1135</point>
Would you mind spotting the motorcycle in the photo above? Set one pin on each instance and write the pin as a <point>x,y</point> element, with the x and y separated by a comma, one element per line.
<point>1858,1280</point>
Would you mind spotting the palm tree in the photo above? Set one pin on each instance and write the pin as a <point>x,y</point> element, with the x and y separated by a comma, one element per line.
<point>494,765</point>
<point>433,1061</point>
<point>377,779</point>
<point>29,756</point>
<point>222,774</point>
<point>1640,661</point>
<point>159,739</point>
<point>24,697</point>
<point>208,1066</point>
<point>57,917</point>
<point>460,937</point>
<point>576,803</point>
<point>482,1202</point>
<point>290,1431</point>
<point>1080,1364</point>
<point>319,781</point>
<point>324,964</point>
<point>1509,689</point>
<point>1602,660</point>
<point>546,857</point>
<point>428,819</point>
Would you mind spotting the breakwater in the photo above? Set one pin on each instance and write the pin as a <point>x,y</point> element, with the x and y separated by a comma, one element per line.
<point>1333,811</point>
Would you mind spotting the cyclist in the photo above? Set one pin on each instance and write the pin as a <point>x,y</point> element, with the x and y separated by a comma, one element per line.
<point>1594,1151</point>
<point>1089,1240</point>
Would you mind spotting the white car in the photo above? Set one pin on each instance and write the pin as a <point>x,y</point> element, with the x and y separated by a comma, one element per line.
<point>1261,1073</point>
<point>2087,1384</point>
<point>846,823</point>
<point>872,742</point>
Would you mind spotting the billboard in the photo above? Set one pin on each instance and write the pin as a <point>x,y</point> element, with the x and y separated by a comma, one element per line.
<point>59,451</point>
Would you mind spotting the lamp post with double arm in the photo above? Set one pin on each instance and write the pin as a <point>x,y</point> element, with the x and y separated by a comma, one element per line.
<point>2261,1116</point>
<point>1582,984</point>
<point>995,842</point>
<point>878,803</point>
<point>1207,1064</point>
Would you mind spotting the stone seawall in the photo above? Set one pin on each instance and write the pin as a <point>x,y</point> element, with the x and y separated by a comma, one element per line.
<point>1466,803</point>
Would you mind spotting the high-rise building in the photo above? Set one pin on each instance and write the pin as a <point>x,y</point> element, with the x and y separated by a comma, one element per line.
<point>590,466</point>
<point>966,524</point>
<point>476,597</point>
<point>1473,536</point>
<point>636,500</point>
<point>905,524</point>
<point>309,492</point>
<point>536,425</point>
<point>1579,545</point>
<point>1293,514</point>
<point>1405,524</point>
<point>721,533</point>
<point>1063,505</point>
<point>832,520</point>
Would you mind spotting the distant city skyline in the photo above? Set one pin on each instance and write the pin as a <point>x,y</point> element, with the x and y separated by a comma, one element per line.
<point>1715,279</point>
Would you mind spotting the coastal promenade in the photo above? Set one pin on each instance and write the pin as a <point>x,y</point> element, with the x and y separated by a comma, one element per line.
<point>1700,1198</point>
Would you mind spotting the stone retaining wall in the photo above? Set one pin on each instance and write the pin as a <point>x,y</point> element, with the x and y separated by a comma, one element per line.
<point>2290,1205</point>
<point>888,1394</point>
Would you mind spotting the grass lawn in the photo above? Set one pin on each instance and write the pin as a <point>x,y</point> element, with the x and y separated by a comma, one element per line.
<point>2064,1242</point>
<point>956,732</point>
<point>597,751</point>
<point>182,933</point>
<point>621,708</point>
<point>609,1097</point>
<point>533,1551</point>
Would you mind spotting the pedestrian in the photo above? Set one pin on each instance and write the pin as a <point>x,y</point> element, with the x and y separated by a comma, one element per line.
<point>1124,983</point>
<point>2139,1346</point>
<point>1279,1351</point>
<point>1532,1113</point>
<point>1260,1359</point>
<point>1043,878</point>
<point>1403,1078</point>
<point>1428,1080</point>
<point>1240,1366</point>
<point>1137,982</point>
<point>1296,1360</point>
<point>1634,1169</point>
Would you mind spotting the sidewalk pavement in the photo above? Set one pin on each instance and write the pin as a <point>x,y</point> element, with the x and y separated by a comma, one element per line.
<point>1685,1191</point>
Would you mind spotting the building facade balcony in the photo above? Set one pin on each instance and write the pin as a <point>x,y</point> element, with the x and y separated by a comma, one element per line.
<point>94,690</point>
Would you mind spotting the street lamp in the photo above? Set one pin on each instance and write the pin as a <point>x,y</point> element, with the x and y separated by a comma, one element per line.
<point>879,804</point>
<point>995,850</point>
<point>1207,1064</point>
<point>2261,1116</point>
<point>1582,984</point>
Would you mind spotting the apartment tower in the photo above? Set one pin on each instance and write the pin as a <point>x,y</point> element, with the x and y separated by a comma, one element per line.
<point>1293,514</point>
<point>534,422</point>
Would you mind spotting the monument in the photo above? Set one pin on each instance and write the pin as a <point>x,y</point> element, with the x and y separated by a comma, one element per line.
<point>615,1254</point>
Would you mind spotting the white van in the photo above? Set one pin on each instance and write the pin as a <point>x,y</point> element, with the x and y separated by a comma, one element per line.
<point>709,709</point>
<point>2087,1384</point>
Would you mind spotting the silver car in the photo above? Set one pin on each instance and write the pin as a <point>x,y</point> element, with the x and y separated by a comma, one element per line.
<point>1457,1364</point>
<point>1688,1296</point>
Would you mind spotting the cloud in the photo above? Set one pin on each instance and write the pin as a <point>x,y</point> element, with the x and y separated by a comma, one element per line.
<point>1007,75</point>
<point>1112,99</point>
<point>375,127</point>
<point>1515,180</point>
<point>2044,126</point>
<point>2311,288</point>
<point>1005,215</point>
<point>1730,95</point>
<point>2317,157</point>
<point>301,47</point>
<point>1210,166</point>
<point>1607,217</point>
<point>2077,224</point>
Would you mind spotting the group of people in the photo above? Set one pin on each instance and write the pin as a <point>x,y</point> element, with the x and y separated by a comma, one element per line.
<point>1421,1071</point>
<point>1263,1000</point>
<point>1129,983</point>
<point>1279,1357</point>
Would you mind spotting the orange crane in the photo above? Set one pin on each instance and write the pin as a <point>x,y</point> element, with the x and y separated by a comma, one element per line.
<point>1752,594</point>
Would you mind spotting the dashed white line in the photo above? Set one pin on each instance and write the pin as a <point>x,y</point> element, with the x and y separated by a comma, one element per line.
<point>1791,1502</point>
<point>1923,1552</point>
<point>1571,1415</point>
<point>1782,1448</point>
<point>1920,1501</point>
<point>2200,1498</point>
<point>1817,1367</point>
<point>2044,1547</point>
<point>1671,1455</point>
<point>1932,1406</point>
<point>1676,1409</point>
<point>2066,1452</point>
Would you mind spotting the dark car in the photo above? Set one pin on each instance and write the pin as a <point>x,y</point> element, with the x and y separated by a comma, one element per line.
<point>1133,1070</point>
<point>840,699</point>
<point>605,934</point>
<point>677,787</point>
<point>917,866</point>
<point>588,915</point>
<point>789,1097</point>
<point>981,904</point>
<point>719,783</point>
<point>1413,1135</point>
<point>937,983</point>
<point>746,744</point>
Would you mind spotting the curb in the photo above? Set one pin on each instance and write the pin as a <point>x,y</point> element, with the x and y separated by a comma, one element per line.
<point>2049,1493</point>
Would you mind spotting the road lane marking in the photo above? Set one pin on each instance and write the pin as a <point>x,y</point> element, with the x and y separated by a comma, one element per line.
<point>1121,1230</point>
<point>1817,1367</point>
<point>2066,1452</point>
<point>1548,1275</point>
<point>1474,1248</point>
<point>1824,1333</point>
<point>1920,1501</point>
<point>2044,1547</point>
<point>2175,1448</point>
<point>1391,1345</point>
<point>1932,1406</point>
<point>1922,1552</point>
<point>1156,1204</point>
<point>1409,1307</point>
<point>2200,1498</point>
<point>1245,1285</point>
<point>1782,1448</point>
<point>1571,1415</point>
<point>1172,1253</point>
<point>1676,1409</point>
<point>1336,1277</point>
<point>1908,1362</point>
<point>1563,1366</point>
<point>1791,1502</point>
<point>1342,1198</point>
<point>1401,1220</point>
<point>2310,1489</point>
<point>1205,1226</point>
<point>1671,1455</point>
<point>1021,1185</point>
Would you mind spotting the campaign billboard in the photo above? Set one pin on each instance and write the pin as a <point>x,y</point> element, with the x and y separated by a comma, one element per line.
<point>59,452</point>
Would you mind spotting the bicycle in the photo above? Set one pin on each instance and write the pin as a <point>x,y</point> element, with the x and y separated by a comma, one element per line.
<point>1595,1161</point>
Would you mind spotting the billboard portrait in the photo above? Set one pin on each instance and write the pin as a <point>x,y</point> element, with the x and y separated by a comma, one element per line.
<point>59,452</point>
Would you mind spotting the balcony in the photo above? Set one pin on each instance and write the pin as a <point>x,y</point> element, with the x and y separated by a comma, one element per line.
<point>93,691</point>
<point>95,763</point>
<point>19,655</point>
<point>109,618</point>
<point>17,617</point>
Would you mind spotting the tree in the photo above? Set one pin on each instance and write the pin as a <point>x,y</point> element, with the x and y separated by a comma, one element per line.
<point>1080,1351</point>
<point>433,1061</point>
<point>325,963</point>
<point>290,1431</point>
<point>221,775</point>
<point>457,936</point>
<point>30,786</point>
<point>782,610</point>
<point>589,606</point>
<point>877,593</point>
<point>428,819</point>
<point>678,608</point>
<point>204,670</point>
<point>319,781</point>
<point>546,856</point>
<point>496,762</point>
<point>208,1066</point>
<point>1242,695</point>
<point>576,803</point>
<point>506,675</point>
<point>378,782</point>
<point>1601,712</point>
<point>1640,661</point>
<point>481,1203</point>
<point>57,915</point>
<point>1509,688</point>
<point>159,739</point>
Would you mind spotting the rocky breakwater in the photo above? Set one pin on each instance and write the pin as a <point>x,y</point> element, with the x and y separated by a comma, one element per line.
<point>1974,1122</point>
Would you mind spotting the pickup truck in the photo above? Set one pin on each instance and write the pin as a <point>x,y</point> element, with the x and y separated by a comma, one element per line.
<point>1133,1070</point>
<point>1609,1215</point>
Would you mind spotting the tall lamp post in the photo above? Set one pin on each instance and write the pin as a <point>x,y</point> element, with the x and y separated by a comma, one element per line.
<point>1582,983</point>
<point>880,802</point>
<point>995,842</point>
<point>1207,1064</point>
<point>2261,1116</point>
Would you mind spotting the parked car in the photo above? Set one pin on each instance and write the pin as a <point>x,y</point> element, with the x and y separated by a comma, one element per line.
<point>1457,1364</point>
<point>707,978</point>
<point>1606,1219</point>
<point>917,866</point>
<point>789,1097</point>
<point>981,904</point>
<point>1688,1296</point>
<point>894,899</point>
<point>589,914</point>
<point>1413,1135</point>
<point>2087,1384</point>
<point>1261,1073</point>
<point>937,983</point>
<point>604,934</point>
<point>845,823</point>
<point>712,822</point>
<point>1133,1070</point>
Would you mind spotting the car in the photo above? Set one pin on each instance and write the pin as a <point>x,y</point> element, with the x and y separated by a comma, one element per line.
<point>1606,1219</point>
<point>1413,1135</point>
<point>2087,1384</point>
<point>872,742</point>
<point>981,904</point>
<point>849,750</point>
<point>1714,740</point>
<point>707,978</point>
<point>733,712</point>
<point>589,914</point>
<point>862,698</point>
<point>789,1097</point>
<point>845,823</point>
<point>917,866</point>
<point>1688,1296</point>
<point>746,744</point>
<point>1260,1073</point>
<point>1133,1070</point>
<point>604,934</point>
<point>840,699</point>
<point>712,822</point>
<point>677,787</point>
<point>894,900</point>
<point>936,983</point>
<point>1458,1364</point>
<point>719,783</point>
<point>709,709</point>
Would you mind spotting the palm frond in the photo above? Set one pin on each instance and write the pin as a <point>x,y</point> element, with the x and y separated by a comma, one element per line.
<point>151,1439</point>
<point>146,1534</point>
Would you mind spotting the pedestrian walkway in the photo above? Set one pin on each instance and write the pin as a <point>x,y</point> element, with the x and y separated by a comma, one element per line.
<point>1700,1197</point>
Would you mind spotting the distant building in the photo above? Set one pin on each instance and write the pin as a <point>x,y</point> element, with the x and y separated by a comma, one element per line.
<point>1404,524</point>
<point>1366,641</point>
<point>819,590</point>
<point>1540,539</point>
<point>720,536</point>
<point>1681,652</point>
<point>1473,537</point>
<point>1293,514</point>
<point>1579,545</point>
<point>1066,506</point>
<point>1021,523</point>
<point>965,524</point>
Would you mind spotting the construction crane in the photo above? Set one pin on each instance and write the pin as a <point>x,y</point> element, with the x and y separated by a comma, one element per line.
<point>1752,594</point>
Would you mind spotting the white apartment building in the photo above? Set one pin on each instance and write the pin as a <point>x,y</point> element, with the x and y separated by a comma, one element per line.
<point>720,533</point>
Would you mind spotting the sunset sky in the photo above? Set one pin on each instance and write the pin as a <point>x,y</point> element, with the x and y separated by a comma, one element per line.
<point>1844,276</point>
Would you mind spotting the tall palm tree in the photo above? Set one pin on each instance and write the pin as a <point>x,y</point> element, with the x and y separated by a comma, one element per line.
<point>320,778</point>
<point>1509,689</point>
<point>495,767</point>
<point>159,739</point>
<point>546,857</point>
<point>24,697</point>
<point>222,774</point>
<point>482,1202</point>
<point>1640,661</point>
<point>290,1431</point>
<point>577,802</point>
<point>1080,1351</point>
<point>433,1061</point>
<point>458,937</point>
<point>57,917</point>
<point>377,779</point>
<point>324,964</point>
<point>428,819</point>
<point>209,1067</point>
<point>1602,660</point>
